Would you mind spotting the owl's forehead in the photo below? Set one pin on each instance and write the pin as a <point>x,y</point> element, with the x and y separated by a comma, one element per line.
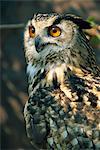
<point>44,17</point>
<point>42,20</point>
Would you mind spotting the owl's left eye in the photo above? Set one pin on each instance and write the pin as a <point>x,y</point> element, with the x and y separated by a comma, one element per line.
<point>54,31</point>
<point>31,31</point>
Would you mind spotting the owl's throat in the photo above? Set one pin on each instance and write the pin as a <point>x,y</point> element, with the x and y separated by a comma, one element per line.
<point>58,76</point>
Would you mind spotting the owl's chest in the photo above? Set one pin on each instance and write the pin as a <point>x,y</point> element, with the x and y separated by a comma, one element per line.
<point>65,83</point>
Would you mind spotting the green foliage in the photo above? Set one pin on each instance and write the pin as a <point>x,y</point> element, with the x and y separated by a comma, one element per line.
<point>91,20</point>
<point>96,38</point>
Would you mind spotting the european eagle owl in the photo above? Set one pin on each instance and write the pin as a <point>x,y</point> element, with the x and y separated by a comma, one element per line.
<point>63,109</point>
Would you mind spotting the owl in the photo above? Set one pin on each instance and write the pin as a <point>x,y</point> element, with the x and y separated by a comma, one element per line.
<point>63,109</point>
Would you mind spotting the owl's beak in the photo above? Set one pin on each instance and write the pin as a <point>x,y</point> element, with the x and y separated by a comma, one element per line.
<point>37,42</point>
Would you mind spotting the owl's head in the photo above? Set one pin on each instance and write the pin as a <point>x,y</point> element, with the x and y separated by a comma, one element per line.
<point>50,34</point>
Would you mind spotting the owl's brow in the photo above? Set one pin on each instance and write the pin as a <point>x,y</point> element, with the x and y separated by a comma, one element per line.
<point>77,20</point>
<point>41,17</point>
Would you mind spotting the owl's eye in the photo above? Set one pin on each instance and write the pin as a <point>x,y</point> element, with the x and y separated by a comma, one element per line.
<point>54,31</point>
<point>31,31</point>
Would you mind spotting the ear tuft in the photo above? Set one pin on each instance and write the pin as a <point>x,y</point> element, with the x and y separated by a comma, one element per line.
<point>79,21</point>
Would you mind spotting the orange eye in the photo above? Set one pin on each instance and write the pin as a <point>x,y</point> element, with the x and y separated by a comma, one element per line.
<point>31,31</point>
<point>54,31</point>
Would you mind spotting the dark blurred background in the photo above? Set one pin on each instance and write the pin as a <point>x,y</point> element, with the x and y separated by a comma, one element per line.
<point>13,78</point>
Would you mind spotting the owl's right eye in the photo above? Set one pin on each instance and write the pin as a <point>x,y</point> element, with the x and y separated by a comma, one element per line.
<point>31,31</point>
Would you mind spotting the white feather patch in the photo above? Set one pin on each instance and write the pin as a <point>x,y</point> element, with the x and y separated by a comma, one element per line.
<point>31,70</point>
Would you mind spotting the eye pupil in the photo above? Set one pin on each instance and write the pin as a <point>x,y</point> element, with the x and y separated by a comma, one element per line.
<point>54,30</point>
<point>32,29</point>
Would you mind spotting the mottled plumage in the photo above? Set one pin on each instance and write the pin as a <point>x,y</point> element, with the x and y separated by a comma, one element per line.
<point>63,110</point>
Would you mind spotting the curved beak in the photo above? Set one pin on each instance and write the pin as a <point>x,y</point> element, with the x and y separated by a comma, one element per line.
<point>38,42</point>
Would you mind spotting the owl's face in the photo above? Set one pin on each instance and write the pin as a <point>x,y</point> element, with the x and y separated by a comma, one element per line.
<point>47,34</point>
